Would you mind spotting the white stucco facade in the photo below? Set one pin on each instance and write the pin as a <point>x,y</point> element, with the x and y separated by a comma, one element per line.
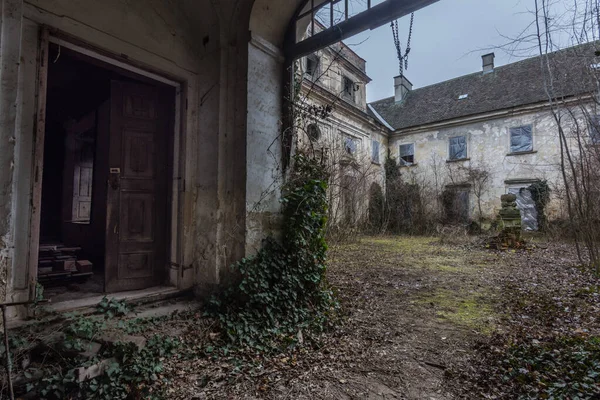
<point>488,140</point>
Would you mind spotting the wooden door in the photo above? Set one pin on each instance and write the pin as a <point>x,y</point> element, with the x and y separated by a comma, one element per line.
<point>136,221</point>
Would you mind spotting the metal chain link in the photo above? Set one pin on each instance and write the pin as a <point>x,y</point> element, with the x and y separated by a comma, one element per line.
<point>402,57</point>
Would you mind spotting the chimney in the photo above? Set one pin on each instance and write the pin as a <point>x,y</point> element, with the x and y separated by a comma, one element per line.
<point>488,62</point>
<point>401,86</point>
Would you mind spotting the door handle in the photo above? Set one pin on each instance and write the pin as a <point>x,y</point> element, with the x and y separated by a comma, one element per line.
<point>114,178</point>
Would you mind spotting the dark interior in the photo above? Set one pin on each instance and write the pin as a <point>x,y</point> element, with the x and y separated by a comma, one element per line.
<point>73,214</point>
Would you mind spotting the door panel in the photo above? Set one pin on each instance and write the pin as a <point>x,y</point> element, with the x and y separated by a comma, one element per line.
<point>136,238</point>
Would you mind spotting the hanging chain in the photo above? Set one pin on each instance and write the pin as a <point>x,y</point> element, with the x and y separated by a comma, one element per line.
<point>402,56</point>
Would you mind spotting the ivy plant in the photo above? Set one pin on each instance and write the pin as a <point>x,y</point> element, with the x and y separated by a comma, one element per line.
<point>282,289</point>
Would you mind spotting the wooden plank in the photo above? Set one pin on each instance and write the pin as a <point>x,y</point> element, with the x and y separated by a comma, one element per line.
<point>38,167</point>
<point>372,18</point>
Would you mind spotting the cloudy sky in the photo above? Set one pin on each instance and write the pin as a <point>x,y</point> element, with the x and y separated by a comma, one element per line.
<point>449,38</point>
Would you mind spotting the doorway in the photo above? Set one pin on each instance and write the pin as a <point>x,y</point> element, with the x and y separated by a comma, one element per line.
<point>104,216</point>
<point>526,204</point>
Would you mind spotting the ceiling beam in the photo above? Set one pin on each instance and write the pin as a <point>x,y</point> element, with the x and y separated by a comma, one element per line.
<point>372,18</point>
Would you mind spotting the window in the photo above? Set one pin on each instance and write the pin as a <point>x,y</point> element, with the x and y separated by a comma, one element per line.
<point>521,139</point>
<point>348,88</point>
<point>407,154</point>
<point>375,151</point>
<point>595,129</point>
<point>350,145</point>
<point>312,66</point>
<point>313,132</point>
<point>458,148</point>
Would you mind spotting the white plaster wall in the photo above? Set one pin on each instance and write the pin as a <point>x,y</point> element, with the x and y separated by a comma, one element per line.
<point>488,147</point>
<point>331,77</point>
<point>264,173</point>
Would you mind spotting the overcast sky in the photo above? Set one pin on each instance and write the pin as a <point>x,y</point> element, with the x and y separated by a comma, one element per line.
<point>449,38</point>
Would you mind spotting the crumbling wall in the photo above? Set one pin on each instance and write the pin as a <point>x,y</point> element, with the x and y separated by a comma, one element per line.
<point>488,147</point>
<point>264,173</point>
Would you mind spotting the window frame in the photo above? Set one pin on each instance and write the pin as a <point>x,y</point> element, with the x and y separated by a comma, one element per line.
<point>311,128</point>
<point>594,129</point>
<point>376,160</point>
<point>510,136</point>
<point>404,163</point>
<point>315,72</point>
<point>466,157</point>
<point>345,94</point>
<point>356,142</point>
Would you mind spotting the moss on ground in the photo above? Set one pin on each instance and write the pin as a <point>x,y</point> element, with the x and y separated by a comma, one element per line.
<point>425,253</point>
<point>471,310</point>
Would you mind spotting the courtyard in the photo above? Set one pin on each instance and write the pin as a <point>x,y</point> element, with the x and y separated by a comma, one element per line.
<point>421,318</point>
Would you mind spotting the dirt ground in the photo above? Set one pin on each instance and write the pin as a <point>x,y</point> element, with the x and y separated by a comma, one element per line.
<point>413,309</point>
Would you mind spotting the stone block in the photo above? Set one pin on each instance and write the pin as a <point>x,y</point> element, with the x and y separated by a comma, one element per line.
<point>93,371</point>
<point>509,198</point>
<point>91,349</point>
<point>115,337</point>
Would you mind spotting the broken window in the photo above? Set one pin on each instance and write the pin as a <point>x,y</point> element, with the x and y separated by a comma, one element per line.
<point>456,205</point>
<point>521,139</point>
<point>351,145</point>
<point>312,66</point>
<point>458,148</point>
<point>375,151</point>
<point>595,129</point>
<point>407,154</point>
<point>348,91</point>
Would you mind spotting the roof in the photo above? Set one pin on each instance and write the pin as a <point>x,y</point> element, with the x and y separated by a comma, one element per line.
<point>509,86</point>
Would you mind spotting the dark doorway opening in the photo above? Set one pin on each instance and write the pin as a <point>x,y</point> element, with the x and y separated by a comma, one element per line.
<point>82,175</point>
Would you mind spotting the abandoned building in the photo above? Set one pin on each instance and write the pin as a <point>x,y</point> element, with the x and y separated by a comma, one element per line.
<point>498,121</point>
<point>337,125</point>
<point>141,139</point>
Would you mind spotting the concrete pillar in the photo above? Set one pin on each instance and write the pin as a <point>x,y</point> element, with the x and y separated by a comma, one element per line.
<point>228,143</point>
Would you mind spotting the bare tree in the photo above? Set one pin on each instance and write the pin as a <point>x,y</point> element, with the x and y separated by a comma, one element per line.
<point>571,82</point>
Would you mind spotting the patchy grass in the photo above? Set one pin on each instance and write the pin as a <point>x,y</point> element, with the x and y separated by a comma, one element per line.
<point>411,244</point>
<point>469,310</point>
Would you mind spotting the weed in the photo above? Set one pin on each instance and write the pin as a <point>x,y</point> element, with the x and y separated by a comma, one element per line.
<point>113,307</point>
<point>566,368</point>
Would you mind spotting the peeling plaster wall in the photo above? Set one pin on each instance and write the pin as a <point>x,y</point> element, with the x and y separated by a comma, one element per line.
<point>360,166</point>
<point>269,22</point>
<point>347,120</point>
<point>264,173</point>
<point>229,148</point>
<point>178,39</point>
<point>488,146</point>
